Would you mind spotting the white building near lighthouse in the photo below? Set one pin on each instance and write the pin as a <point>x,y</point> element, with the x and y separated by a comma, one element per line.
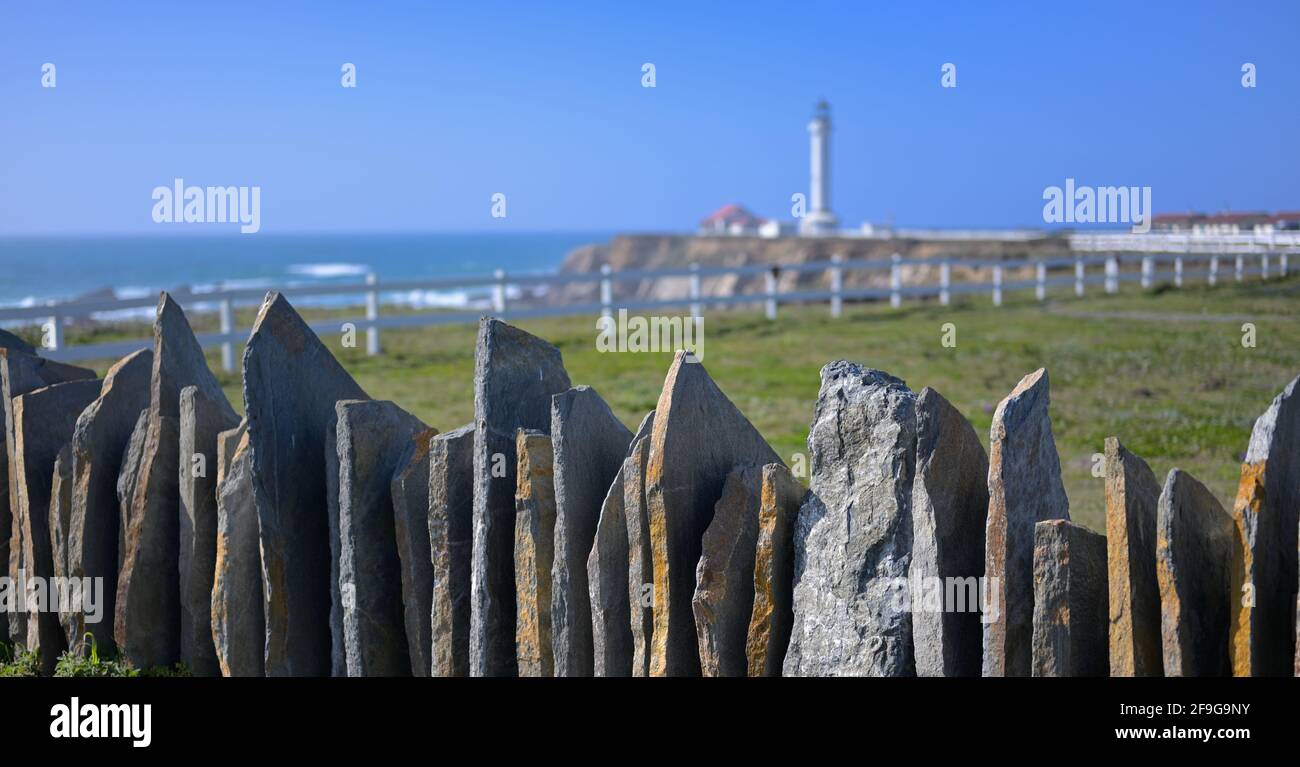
<point>818,219</point>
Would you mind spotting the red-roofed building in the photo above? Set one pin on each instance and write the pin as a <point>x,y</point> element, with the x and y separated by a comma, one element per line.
<point>731,219</point>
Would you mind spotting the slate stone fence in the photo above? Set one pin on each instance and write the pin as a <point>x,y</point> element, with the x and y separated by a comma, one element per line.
<point>695,288</point>
<point>329,534</point>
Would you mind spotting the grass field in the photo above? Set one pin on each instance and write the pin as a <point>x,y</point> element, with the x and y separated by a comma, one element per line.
<point>1164,370</point>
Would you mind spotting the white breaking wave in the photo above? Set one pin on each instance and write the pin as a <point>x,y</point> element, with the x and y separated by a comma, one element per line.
<point>328,270</point>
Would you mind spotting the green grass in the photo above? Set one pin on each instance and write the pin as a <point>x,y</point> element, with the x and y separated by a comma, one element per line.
<point>1179,392</point>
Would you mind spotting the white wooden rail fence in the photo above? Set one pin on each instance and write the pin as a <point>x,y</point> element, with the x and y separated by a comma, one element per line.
<point>1078,270</point>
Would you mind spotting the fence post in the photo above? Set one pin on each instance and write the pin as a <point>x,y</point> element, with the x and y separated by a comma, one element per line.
<point>837,285</point>
<point>227,327</point>
<point>372,314</point>
<point>1281,265</point>
<point>1263,265</point>
<point>1213,279</point>
<point>1178,271</point>
<point>769,279</point>
<point>1146,272</point>
<point>1040,281</point>
<point>1241,267</point>
<point>55,334</point>
<point>895,282</point>
<point>606,291</point>
<point>1078,277</point>
<point>499,292</point>
<point>945,282</point>
<point>997,284</point>
<point>695,291</point>
<point>1112,274</point>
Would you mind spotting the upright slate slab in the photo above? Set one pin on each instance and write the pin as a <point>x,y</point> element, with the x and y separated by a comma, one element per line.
<point>44,420</point>
<point>515,375</point>
<point>607,576</point>
<point>410,491</point>
<point>950,502</point>
<point>1132,494</point>
<point>699,437</point>
<point>770,621</point>
<point>338,651</point>
<point>201,421</point>
<point>1263,634</point>
<point>291,382</point>
<point>640,558</point>
<point>58,518</point>
<point>10,341</point>
<point>1024,488</point>
<point>372,435</point>
<point>534,553</point>
<point>724,577</point>
<point>1194,549</point>
<point>590,444</point>
<point>853,538</point>
<point>238,624</point>
<point>148,610</point>
<point>20,372</point>
<point>126,482</point>
<point>451,539</point>
<point>1071,616</point>
<point>99,444</point>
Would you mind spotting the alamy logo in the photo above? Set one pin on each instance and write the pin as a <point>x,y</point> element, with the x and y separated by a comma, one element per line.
<point>651,334</point>
<point>1098,205</point>
<point>180,204</point>
<point>103,720</point>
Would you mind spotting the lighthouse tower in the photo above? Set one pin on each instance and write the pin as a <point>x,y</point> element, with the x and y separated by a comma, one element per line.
<point>819,219</point>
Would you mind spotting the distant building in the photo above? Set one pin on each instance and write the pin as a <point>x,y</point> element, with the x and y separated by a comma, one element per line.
<point>1253,222</point>
<point>731,219</point>
<point>819,219</point>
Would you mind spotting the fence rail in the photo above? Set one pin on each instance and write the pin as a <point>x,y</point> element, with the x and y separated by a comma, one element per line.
<point>1229,262</point>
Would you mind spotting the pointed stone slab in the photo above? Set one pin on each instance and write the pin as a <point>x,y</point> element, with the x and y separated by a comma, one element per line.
<point>534,553</point>
<point>59,517</point>
<point>20,372</point>
<point>950,501</point>
<point>1132,494</point>
<point>147,623</point>
<point>698,437</point>
<point>1266,512</point>
<point>126,481</point>
<point>1194,543</point>
<point>338,652</point>
<point>590,444</point>
<point>1070,596</point>
<point>238,624</point>
<point>44,420</point>
<point>201,421</point>
<point>724,577</point>
<point>451,539</point>
<point>853,537</point>
<point>1024,488</point>
<point>640,558</point>
<point>410,491</point>
<point>99,445</point>
<point>372,435</point>
<point>515,375</point>
<point>770,621</point>
<point>291,382</point>
<point>10,341</point>
<point>607,576</point>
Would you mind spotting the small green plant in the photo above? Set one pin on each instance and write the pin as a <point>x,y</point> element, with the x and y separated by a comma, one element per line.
<point>84,660</point>
<point>20,663</point>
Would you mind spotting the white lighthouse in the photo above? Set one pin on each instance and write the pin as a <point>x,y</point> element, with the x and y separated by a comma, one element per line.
<point>819,219</point>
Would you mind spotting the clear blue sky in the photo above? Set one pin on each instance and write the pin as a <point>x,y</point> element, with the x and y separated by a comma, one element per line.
<point>543,101</point>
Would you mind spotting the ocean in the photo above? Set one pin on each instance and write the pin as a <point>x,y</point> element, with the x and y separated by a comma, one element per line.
<point>39,269</point>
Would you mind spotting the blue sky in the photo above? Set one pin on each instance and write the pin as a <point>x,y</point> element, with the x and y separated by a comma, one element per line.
<point>543,102</point>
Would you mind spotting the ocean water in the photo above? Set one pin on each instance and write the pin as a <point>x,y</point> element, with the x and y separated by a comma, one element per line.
<point>34,270</point>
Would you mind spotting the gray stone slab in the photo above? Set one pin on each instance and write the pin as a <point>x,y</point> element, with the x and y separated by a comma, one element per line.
<point>1266,511</point>
<point>451,539</point>
<point>1024,488</point>
<point>238,623</point>
<point>724,577</point>
<point>410,490</point>
<point>43,420</point>
<point>126,481</point>
<point>853,538</point>
<point>291,382</point>
<point>1132,494</point>
<point>640,558</point>
<point>699,437</point>
<point>338,651</point>
<point>534,553</point>
<point>99,446</point>
<point>1071,616</point>
<point>1194,550</point>
<point>515,375</point>
<point>772,618</point>
<point>589,443</point>
<point>950,501</point>
<point>372,435</point>
<point>60,516</point>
